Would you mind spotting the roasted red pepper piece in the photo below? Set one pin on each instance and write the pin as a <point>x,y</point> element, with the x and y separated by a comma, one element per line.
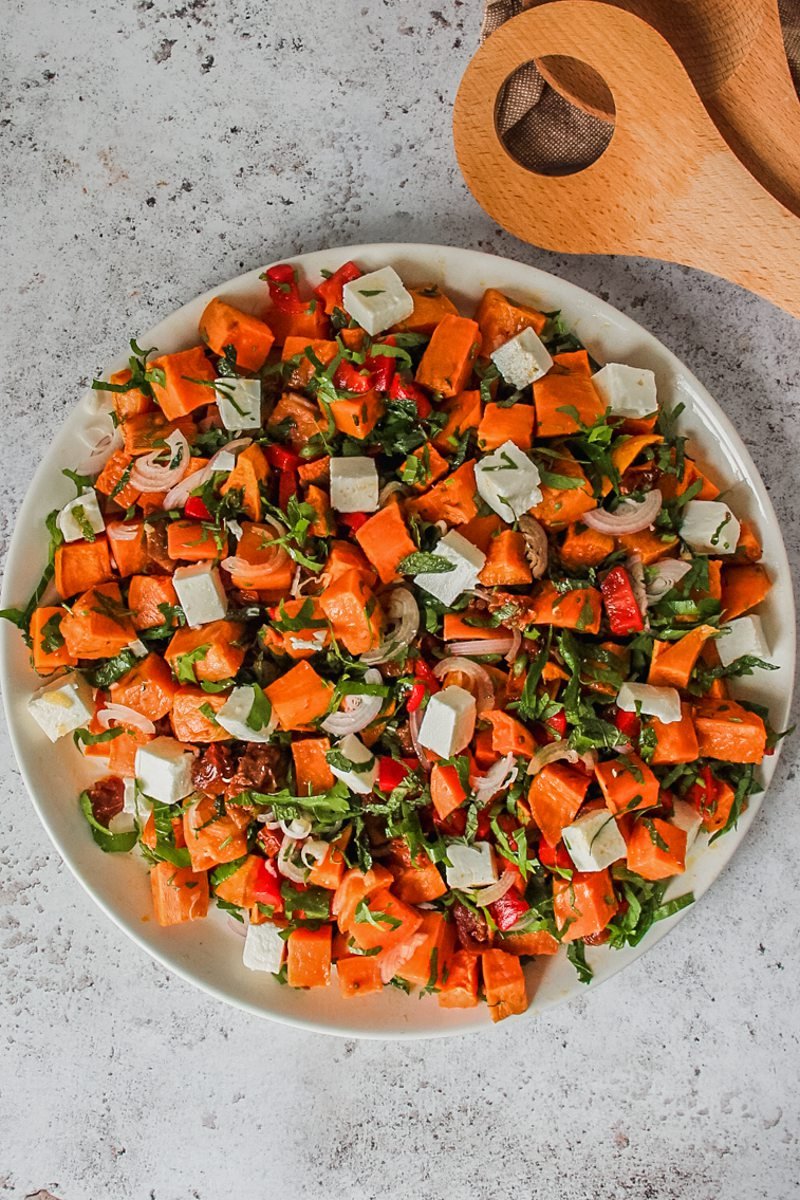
<point>508,909</point>
<point>555,727</point>
<point>416,696</point>
<point>283,290</point>
<point>287,487</point>
<point>349,378</point>
<point>355,520</point>
<point>622,610</point>
<point>282,459</point>
<point>390,773</point>
<point>267,887</point>
<point>329,292</point>
<point>554,856</point>
<point>196,509</point>
<point>382,366</point>
<point>425,673</point>
<point>703,794</point>
<point>404,389</point>
<point>628,724</point>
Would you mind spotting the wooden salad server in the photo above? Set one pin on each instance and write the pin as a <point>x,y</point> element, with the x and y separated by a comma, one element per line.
<point>668,186</point>
<point>734,55</point>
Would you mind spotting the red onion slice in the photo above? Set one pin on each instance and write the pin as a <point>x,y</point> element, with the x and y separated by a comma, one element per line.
<point>357,711</point>
<point>495,891</point>
<point>236,565</point>
<point>414,722</point>
<point>630,517</point>
<point>402,623</point>
<point>514,648</point>
<point>484,699</point>
<point>120,714</point>
<point>498,645</point>
<point>499,776</point>
<point>151,474</point>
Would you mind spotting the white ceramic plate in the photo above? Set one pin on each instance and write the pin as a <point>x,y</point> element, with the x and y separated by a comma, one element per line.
<point>208,953</point>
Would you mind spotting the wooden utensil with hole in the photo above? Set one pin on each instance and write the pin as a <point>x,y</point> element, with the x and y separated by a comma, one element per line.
<point>733,52</point>
<point>668,186</point>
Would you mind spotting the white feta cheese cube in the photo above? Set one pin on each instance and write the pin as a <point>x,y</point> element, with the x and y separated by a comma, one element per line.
<point>471,866</point>
<point>62,705</point>
<point>138,648</point>
<point>354,484</point>
<point>448,722</point>
<point>743,636</point>
<point>593,841</point>
<point>81,516</point>
<point>508,481</point>
<point>377,300</point>
<point>200,593</point>
<point>164,770</point>
<point>134,806</point>
<point>687,818</point>
<point>225,461</point>
<point>264,948</point>
<point>710,527</point>
<point>627,391</point>
<point>234,714</point>
<point>239,404</point>
<point>664,703</point>
<point>523,359</point>
<point>362,772</point>
<point>467,562</point>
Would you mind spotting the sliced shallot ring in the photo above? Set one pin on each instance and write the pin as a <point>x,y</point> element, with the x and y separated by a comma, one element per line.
<point>150,475</point>
<point>390,961</point>
<point>123,531</point>
<point>632,516</point>
<point>297,829</point>
<point>513,650</point>
<point>286,867</point>
<point>236,565</point>
<point>664,575</point>
<point>414,722</point>
<point>358,711</point>
<point>120,714</point>
<point>635,569</point>
<point>484,700</point>
<point>554,752</point>
<point>498,645</point>
<point>402,615</point>
<point>500,775</point>
<point>494,891</point>
<point>313,851</point>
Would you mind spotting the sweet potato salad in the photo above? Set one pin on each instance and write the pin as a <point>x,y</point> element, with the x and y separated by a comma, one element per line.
<point>414,640</point>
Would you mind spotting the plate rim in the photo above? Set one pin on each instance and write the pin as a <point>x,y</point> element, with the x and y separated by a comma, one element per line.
<point>539,281</point>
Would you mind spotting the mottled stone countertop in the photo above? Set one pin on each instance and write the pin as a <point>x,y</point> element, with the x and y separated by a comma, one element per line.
<point>151,149</point>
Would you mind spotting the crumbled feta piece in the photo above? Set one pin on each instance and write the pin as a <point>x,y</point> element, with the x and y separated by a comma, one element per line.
<point>264,948</point>
<point>239,404</point>
<point>467,562</point>
<point>80,516</point>
<point>235,528</point>
<point>316,642</point>
<point>471,866</point>
<point>200,593</point>
<point>354,484</point>
<point>743,636</point>
<point>360,776</point>
<point>164,770</point>
<point>234,714</point>
<point>377,300</point>
<point>508,481</point>
<point>661,702</point>
<point>449,721</point>
<point>134,805</point>
<point>225,461</point>
<point>627,391</point>
<point>710,527</point>
<point>138,648</point>
<point>687,818</point>
<point>593,841</point>
<point>62,705</point>
<point>523,359</point>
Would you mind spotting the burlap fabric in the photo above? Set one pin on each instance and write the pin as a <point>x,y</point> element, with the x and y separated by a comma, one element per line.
<point>545,132</point>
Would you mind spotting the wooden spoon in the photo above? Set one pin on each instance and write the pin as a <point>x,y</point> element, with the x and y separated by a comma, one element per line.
<point>668,186</point>
<point>733,51</point>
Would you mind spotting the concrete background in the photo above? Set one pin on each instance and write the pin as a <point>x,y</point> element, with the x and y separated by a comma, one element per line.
<point>150,150</point>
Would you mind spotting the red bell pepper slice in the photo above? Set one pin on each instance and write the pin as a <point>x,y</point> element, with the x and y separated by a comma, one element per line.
<point>416,696</point>
<point>425,673</point>
<point>282,459</point>
<point>283,290</point>
<point>354,520</point>
<point>330,291</point>
<point>287,487</point>
<point>628,724</point>
<point>382,366</point>
<point>555,727</point>
<point>554,856</point>
<point>196,509</point>
<point>702,795</point>
<point>619,599</point>
<point>508,909</point>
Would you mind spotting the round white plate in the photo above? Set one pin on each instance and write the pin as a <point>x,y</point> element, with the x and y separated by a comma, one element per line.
<point>208,953</point>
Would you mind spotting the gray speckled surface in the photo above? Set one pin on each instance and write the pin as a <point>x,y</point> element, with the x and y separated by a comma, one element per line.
<point>150,151</point>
